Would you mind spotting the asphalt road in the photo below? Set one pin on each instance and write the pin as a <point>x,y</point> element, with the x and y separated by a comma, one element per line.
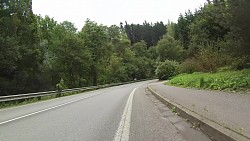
<point>125,112</point>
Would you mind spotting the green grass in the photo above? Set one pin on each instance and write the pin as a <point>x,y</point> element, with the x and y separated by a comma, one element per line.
<point>234,81</point>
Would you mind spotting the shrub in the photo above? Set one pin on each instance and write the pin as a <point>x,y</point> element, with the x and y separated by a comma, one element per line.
<point>240,63</point>
<point>189,66</point>
<point>206,60</point>
<point>167,69</point>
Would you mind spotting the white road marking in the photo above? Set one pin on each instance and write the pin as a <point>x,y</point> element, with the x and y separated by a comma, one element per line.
<point>122,133</point>
<point>40,111</point>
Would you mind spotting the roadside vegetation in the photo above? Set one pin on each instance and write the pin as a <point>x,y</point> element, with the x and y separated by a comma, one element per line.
<point>38,53</point>
<point>212,50</point>
<point>234,81</point>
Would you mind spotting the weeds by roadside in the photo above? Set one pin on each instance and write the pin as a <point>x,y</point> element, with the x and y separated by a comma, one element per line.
<point>233,81</point>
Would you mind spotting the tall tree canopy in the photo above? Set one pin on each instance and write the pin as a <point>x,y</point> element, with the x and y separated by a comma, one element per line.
<point>150,33</point>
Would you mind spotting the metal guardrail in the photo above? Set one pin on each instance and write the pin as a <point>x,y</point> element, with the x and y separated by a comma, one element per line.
<point>48,93</point>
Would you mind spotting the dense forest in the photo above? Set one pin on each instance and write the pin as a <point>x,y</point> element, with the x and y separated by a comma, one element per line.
<point>37,53</point>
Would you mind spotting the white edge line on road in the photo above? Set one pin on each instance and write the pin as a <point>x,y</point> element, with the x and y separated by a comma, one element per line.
<point>122,133</point>
<point>47,109</point>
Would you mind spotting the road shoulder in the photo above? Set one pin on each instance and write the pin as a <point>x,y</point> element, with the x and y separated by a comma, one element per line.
<point>152,120</point>
<point>207,125</point>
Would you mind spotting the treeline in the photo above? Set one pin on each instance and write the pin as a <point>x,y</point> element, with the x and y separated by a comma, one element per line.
<point>215,36</point>
<point>37,53</point>
<point>148,32</point>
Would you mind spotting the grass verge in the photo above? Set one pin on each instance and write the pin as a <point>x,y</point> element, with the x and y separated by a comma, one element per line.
<point>232,81</point>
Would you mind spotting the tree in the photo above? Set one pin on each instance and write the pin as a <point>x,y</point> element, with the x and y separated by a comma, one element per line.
<point>182,28</point>
<point>239,22</point>
<point>150,33</point>
<point>206,31</point>
<point>19,45</point>
<point>140,49</point>
<point>115,71</point>
<point>169,48</point>
<point>95,39</point>
<point>72,61</point>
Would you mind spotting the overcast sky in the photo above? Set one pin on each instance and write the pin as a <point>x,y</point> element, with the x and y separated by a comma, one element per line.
<point>109,12</point>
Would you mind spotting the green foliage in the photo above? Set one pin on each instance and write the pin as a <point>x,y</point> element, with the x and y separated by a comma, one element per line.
<point>37,52</point>
<point>239,21</point>
<point>140,49</point>
<point>150,33</point>
<point>189,66</point>
<point>206,60</point>
<point>72,61</point>
<point>174,109</point>
<point>96,40</point>
<point>169,48</point>
<point>225,80</point>
<point>240,63</point>
<point>182,28</point>
<point>152,53</point>
<point>167,69</point>
<point>61,85</point>
<point>18,46</point>
<point>207,30</point>
<point>115,71</point>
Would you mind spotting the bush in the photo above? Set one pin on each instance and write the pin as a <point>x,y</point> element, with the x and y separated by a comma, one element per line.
<point>167,69</point>
<point>240,63</point>
<point>189,66</point>
<point>206,60</point>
